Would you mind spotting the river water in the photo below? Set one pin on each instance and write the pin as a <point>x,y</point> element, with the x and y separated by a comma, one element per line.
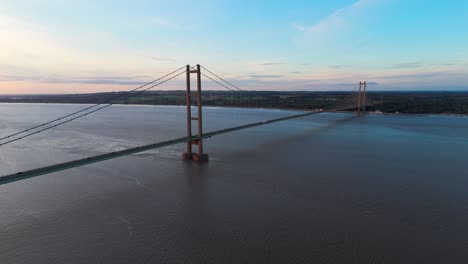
<point>328,188</point>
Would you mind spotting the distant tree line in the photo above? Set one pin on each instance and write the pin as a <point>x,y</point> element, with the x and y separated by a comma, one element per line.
<point>386,102</point>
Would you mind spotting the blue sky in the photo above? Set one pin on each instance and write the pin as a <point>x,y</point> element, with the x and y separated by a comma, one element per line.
<point>63,46</point>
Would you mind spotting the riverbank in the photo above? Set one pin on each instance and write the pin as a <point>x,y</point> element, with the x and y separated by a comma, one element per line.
<point>447,103</point>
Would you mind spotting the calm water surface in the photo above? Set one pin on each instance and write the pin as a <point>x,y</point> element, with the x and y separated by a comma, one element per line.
<point>329,188</point>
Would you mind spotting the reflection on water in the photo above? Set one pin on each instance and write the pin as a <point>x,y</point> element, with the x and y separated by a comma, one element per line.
<point>329,188</point>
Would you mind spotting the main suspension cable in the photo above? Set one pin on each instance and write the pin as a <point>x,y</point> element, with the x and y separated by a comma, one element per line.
<point>222,79</point>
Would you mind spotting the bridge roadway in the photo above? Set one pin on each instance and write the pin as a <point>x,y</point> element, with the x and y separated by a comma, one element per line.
<point>112,155</point>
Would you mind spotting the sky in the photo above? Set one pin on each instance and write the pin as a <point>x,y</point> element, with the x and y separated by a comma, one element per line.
<point>81,46</point>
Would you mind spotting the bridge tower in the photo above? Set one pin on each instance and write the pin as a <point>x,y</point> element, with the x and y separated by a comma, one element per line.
<point>362,98</point>
<point>198,140</point>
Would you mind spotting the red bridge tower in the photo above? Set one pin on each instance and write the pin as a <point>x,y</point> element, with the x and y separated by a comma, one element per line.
<point>198,140</point>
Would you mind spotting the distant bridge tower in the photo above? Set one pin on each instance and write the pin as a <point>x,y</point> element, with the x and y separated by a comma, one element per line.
<point>189,155</point>
<point>362,98</point>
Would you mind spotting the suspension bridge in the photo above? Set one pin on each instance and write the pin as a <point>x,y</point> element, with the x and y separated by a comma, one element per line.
<point>193,100</point>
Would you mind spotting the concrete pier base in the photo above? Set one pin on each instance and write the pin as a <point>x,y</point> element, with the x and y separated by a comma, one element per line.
<point>186,156</point>
<point>195,157</point>
<point>200,158</point>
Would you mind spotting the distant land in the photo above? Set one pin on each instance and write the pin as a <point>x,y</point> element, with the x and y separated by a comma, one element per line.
<point>430,102</point>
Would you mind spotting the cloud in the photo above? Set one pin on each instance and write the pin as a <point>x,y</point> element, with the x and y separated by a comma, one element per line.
<point>31,49</point>
<point>26,43</point>
<point>395,80</point>
<point>340,66</point>
<point>447,64</point>
<point>264,76</point>
<point>299,27</point>
<point>344,85</point>
<point>415,76</point>
<point>407,65</point>
<point>285,84</point>
<point>450,63</point>
<point>339,18</point>
<point>98,80</point>
<point>270,63</point>
<point>163,59</point>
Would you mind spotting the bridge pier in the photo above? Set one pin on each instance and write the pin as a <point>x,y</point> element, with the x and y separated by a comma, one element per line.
<point>199,156</point>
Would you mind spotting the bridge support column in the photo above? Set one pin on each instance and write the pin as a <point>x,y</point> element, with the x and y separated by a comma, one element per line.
<point>362,98</point>
<point>198,141</point>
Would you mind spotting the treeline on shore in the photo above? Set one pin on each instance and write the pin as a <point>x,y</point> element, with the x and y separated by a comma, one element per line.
<point>385,102</point>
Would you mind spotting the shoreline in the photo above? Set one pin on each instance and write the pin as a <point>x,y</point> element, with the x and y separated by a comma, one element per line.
<point>239,107</point>
<point>405,114</point>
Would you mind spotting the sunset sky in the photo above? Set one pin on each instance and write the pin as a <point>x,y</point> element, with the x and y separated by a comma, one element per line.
<point>65,46</point>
